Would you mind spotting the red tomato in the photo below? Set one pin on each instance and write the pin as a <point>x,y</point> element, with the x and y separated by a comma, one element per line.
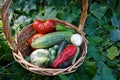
<point>35,36</point>
<point>44,27</point>
<point>49,25</point>
<point>39,26</point>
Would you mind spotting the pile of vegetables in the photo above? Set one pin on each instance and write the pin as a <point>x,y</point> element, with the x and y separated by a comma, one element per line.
<point>55,45</point>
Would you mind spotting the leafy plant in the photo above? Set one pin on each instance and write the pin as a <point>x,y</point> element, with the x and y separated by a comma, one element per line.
<point>102,29</point>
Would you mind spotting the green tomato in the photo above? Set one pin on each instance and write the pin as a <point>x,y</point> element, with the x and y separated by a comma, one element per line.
<point>50,49</point>
<point>53,52</point>
<point>56,47</point>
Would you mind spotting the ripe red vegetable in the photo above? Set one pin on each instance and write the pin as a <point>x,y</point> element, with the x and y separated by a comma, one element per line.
<point>66,54</point>
<point>39,26</point>
<point>35,36</point>
<point>49,25</point>
<point>44,27</point>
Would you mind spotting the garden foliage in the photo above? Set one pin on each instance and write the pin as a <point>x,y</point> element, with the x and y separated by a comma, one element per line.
<point>102,29</point>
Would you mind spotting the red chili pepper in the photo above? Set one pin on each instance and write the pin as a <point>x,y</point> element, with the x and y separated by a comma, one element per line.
<point>39,26</point>
<point>66,54</point>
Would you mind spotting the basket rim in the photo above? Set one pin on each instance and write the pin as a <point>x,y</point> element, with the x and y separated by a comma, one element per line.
<point>20,59</point>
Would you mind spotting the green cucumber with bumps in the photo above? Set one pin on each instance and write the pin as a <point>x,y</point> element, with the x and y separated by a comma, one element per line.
<point>51,39</point>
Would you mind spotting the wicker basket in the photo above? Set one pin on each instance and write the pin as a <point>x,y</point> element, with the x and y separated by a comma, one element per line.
<point>21,48</point>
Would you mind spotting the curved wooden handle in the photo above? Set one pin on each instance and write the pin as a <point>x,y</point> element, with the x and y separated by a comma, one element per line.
<point>6,25</point>
<point>83,15</point>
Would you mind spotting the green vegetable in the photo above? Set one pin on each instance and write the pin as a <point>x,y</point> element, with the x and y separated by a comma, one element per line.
<point>42,61</point>
<point>40,57</point>
<point>62,46</point>
<point>61,27</point>
<point>51,39</point>
<point>50,49</point>
<point>52,58</point>
<point>76,55</point>
<point>67,53</point>
<point>53,52</point>
<point>56,47</point>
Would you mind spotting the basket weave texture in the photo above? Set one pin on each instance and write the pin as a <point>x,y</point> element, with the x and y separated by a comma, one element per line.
<point>20,47</point>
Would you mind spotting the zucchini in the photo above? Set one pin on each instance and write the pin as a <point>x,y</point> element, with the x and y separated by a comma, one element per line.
<point>51,39</point>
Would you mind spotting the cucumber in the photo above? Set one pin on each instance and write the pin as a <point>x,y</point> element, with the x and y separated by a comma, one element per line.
<point>51,39</point>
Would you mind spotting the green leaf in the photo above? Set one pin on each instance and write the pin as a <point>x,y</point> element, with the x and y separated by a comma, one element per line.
<point>118,65</point>
<point>16,6</point>
<point>29,7</point>
<point>112,4</point>
<point>101,29</point>
<point>118,9</point>
<point>112,52</point>
<point>0,26</point>
<point>95,40</point>
<point>21,22</point>
<point>66,17</point>
<point>118,44</point>
<point>98,10</point>
<point>17,72</point>
<point>0,23</point>
<point>50,13</point>
<point>103,73</point>
<point>91,69</point>
<point>92,52</point>
<point>115,22</point>
<point>75,13</point>
<point>21,19</point>
<point>63,77</point>
<point>113,62</point>
<point>91,21</point>
<point>115,35</point>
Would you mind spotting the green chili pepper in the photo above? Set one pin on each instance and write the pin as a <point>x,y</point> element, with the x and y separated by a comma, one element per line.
<point>76,55</point>
<point>61,27</point>
<point>62,46</point>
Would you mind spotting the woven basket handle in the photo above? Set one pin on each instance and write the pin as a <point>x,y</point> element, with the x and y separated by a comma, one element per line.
<point>83,15</point>
<point>6,25</point>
